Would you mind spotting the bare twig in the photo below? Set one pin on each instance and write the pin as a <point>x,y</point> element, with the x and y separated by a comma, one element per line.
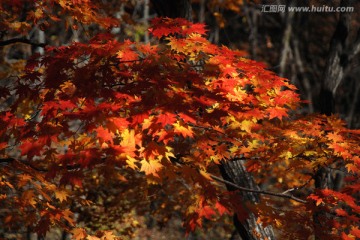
<point>36,168</point>
<point>289,190</point>
<point>21,40</point>
<point>76,166</point>
<point>283,195</point>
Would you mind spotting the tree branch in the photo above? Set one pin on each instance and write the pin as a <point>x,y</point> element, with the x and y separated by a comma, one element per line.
<point>36,168</point>
<point>283,195</point>
<point>21,40</point>
<point>13,160</point>
<point>6,160</point>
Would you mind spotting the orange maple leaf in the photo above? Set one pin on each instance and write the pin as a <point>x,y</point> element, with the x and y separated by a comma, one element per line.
<point>318,200</point>
<point>61,195</point>
<point>79,233</point>
<point>68,216</point>
<point>277,112</point>
<point>335,137</point>
<point>128,140</point>
<point>104,135</point>
<point>352,168</point>
<point>127,55</point>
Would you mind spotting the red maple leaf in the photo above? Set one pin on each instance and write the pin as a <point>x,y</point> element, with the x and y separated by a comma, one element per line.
<point>277,112</point>
<point>166,118</point>
<point>31,148</point>
<point>206,212</point>
<point>221,209</point>
<point>104,135</point>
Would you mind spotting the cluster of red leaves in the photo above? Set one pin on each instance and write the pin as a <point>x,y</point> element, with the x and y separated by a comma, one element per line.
<point>166,113</point>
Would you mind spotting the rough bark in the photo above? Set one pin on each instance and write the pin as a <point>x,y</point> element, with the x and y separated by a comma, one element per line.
<point>249,229</point>
<point>338,58</point>
<point>287,36</point>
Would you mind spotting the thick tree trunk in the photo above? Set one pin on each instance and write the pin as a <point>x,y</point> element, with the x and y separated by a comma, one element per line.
<point>233,171</point>
<point>249,229</point>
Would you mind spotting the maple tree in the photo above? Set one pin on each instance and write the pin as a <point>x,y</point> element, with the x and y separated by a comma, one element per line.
<point>155,121</point>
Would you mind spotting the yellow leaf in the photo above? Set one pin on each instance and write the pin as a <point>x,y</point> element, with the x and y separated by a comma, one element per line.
<point>61,195</point>
<point>184,131</point>
<point>128,140</point>
<point>151,167</point>
<point>38,13</point>
<point>310,153</point>
<point>169,153</point>
<point>278,223</point>
<point>246,126</point>
<point>131,162</point>
<point>233,149</point>
<point>287,155</point>
<point>147,122</point>
<point>253,144</point>
<point>68,88</point>
<point>108,235</point>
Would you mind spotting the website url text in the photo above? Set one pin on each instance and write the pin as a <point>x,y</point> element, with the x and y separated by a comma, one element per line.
<point>312,9</point>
